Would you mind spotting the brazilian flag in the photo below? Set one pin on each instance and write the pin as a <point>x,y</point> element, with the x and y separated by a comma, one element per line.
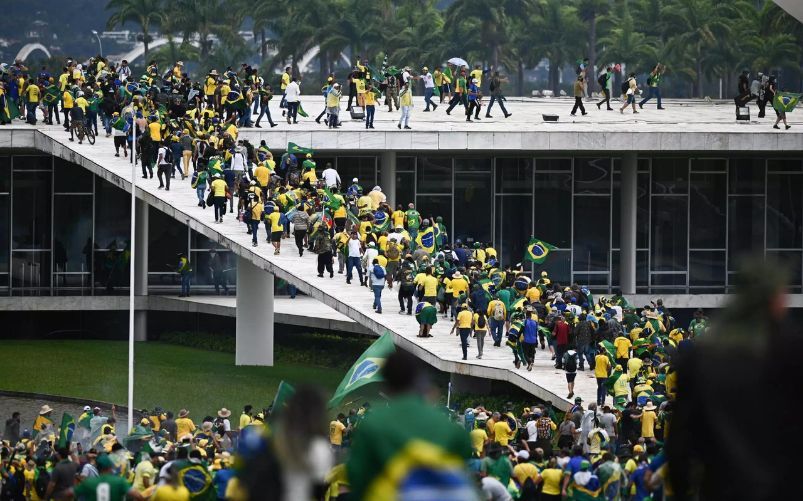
<point>381,221</point>
<point>51,95</point>
<point>609,351</point>
<point>785,102</point>
<point>294,149</point>
<point>196,479</point>
<point>537,250</point>
<point>235,101</point>
<point>613,377</point>
<point>119,124</point>
<point>366,369</point>
<point>329,200</point>
<point>426,240</point>
<point>66,430</point>
<point>301,111</point>
<point>283,393</point>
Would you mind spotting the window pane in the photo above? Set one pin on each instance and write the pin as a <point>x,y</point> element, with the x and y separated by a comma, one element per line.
<point>513,221</point>
<point>785,165</point>
<point>363,168</point>
<point>707,268</point>
<point>784,211</point>
<point>514,175</point>
<point>558,266</point>
<point>473,202</point>
<point>405,188</point>
<point>642,269</point>
<point>595,282</point>
<point>166,238</point>
<point>670,175</point>
<point>434,175</point>
<point>71,178</point>
<point>112,216</point>
<point>591,233</point>
<point>673,279</point>
<point>199,241</point>
<point>709,164</point>
<point>5,220</point>
<point>430,206</point>
<point>111,270</point>
<point>31,228</point>
<point>746,176</point>
<point>553,164</point>
<point>5,174</point>
<point>29,271</point>
<point>72,233</point>
<point>592,175</point>
<point>745,228</point>
<point>708,206</point>
<point>202,272</point>
<point>553,196</point>
<point>669,233</point>
<point>792,262</point>
<point>33,162</point>
<point>472,164</point>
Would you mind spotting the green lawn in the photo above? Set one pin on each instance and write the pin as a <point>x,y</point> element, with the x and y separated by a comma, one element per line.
<point>167,375</point>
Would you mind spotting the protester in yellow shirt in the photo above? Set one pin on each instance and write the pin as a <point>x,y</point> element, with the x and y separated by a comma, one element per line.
<point>336,431</point>
<point>623,347</point>
<point>276,230</point>
<point>502,431</point>
<point>184,425</point>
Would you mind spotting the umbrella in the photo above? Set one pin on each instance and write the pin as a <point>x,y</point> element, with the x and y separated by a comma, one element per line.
<point>457,62</point>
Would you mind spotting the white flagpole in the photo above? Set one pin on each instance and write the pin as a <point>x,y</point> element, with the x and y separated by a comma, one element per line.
<point>131,268</point>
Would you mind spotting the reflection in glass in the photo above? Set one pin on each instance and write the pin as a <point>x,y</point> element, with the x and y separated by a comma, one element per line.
<point>5,174</point>
<point>745,229</point>
<point>591,233</point>
<point>707,268</point>
<point>473,201</point>
<point>430,206</point>
<point>514,217</point>
<point>791,260</point>
<point>70,177</point>
<point>784,211</point>
<point>746,176</point>
<point>592,175</point>
<point>405,188</point>
<point>708,206</point>
<point>111,272</point>
<point>669,234</point>
<point>5,225</point>
<point>363,168</point>
<point>72,233</point>
<point>434,175</point>
<point>30,273</point>
<point>472,164</point>
<point>166,238</point>
<point>31,199</point>
<point>514,175</point>
<point>112,215</point>
<point>670,176</point>
<point>553,197</point>
<point>558,266</point>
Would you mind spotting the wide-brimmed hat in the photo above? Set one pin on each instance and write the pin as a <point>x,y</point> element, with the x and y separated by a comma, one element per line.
<point>45,410</point>
<point>650,406</point>
<point>224,413</point>
<point>213,73</point>
<point>183,413</point>
<point>457,274</point>
<point>206,426</point>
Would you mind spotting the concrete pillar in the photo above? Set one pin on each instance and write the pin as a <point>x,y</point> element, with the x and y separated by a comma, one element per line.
<point>254,333</point>
<point>627,229</point>
<point>141,269</point>
<point>388,177</point>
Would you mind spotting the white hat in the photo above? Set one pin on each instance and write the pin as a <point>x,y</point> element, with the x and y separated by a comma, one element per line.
<point>354,180</point>
<point>377,188</point>
<point>523,455</point>
<point>45,409</point>
<point>87,408</point>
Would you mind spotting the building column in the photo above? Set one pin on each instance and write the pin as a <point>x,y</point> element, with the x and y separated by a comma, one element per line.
<point>254,333</point>
<point>388,177</point>
<point>627,229</point>
<point>141,269</point>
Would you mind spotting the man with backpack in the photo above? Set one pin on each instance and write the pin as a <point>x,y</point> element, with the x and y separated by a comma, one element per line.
<point>376,275</point>
<point>497,315</point>
<point>629,90</point>
<point>653,82</point>
<point>569,361</point>
<point>164,166</point>
<point>530,340</point>
<point>393,255</point>
<point>604,80</point>
<point>406,278</point>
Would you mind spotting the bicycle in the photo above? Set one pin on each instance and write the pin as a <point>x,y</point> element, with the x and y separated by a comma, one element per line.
<point>81,130</point>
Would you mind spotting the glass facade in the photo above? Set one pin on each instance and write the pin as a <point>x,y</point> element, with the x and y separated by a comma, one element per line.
<point>65,231</point>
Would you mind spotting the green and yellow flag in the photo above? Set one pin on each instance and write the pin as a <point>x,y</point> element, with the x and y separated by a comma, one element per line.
<point>785,102</point>
<point>537,250</point>
<point>295,149</point>
<point>426,240</point>
<point>283,394</point>
<point>66,430</point>
<point>366,370</point>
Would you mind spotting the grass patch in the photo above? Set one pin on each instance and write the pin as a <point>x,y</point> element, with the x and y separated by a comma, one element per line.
<point>168,375</point>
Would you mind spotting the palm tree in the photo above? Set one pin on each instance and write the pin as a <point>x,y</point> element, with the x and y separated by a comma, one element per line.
<point>205,18</point>
<point>145,13</point>
<point>491,23</point>
<point>558,35</point>
<point>590,11</point>
<point>698,26</point>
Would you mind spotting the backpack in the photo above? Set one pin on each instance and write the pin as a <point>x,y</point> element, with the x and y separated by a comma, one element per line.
<point>499,312</point>
<point>40,485</point>
<point>571,363</point>
<point>379,272</point>
<point>168,157</point>
<point>602,80</point>
<point>625,86</point>
<point>393,252</point>
<point>481,321</point>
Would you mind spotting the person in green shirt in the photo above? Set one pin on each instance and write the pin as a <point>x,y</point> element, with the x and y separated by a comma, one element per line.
<point>698,324</point>
<point>107,486</point>
<point>413,220</point>
<point>497,465</point>
<point>653,85</point>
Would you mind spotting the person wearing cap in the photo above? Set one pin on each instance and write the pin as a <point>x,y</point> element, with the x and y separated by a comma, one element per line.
<point>333,97</point>
<point>43,421</point>
<point>112,486</point>
<point>429,88</point>
<point>171,488</point>
<point>184,425</point>
<point>354,254</point>
<point>526,475</point>
<point>460,93</point>
<point>406,101</point>
<point>648,418</point>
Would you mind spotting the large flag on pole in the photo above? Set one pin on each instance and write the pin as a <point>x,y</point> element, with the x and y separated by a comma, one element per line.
<point>295,149</point>
<point>66,430</point>
<point>366,369</point>
<point>537,250</point>
<point>283,394</point>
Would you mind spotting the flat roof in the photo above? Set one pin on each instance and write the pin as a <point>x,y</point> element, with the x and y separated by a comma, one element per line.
<point>684,126</point>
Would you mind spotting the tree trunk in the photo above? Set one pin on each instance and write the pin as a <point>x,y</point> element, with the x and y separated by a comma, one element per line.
<point>554,77</point>
<point>699,78</point>
<point>263,46</point>
<point>323,63</point>
<point>145,42</point>
<point>520,79</point>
